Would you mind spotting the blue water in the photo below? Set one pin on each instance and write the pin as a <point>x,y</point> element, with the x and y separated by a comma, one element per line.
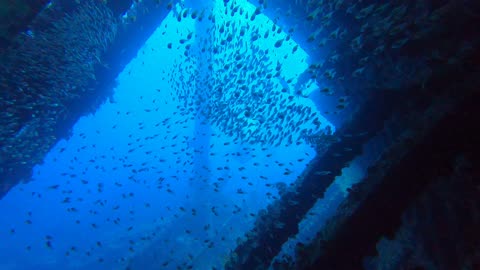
<point>143,183</point>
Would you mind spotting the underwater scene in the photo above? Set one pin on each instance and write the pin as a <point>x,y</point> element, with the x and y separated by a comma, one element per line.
<point>215,134</point>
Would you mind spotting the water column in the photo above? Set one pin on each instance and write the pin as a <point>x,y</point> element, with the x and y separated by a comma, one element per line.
<point>202,127</point>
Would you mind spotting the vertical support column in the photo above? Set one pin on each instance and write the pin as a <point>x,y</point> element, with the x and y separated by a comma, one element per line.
<point>203,129</point>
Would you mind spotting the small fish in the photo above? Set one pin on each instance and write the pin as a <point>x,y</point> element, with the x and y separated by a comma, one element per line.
<point>358,72</point>
<point>322,173</point>
<point>400,43</point>
<point>279,43</point>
